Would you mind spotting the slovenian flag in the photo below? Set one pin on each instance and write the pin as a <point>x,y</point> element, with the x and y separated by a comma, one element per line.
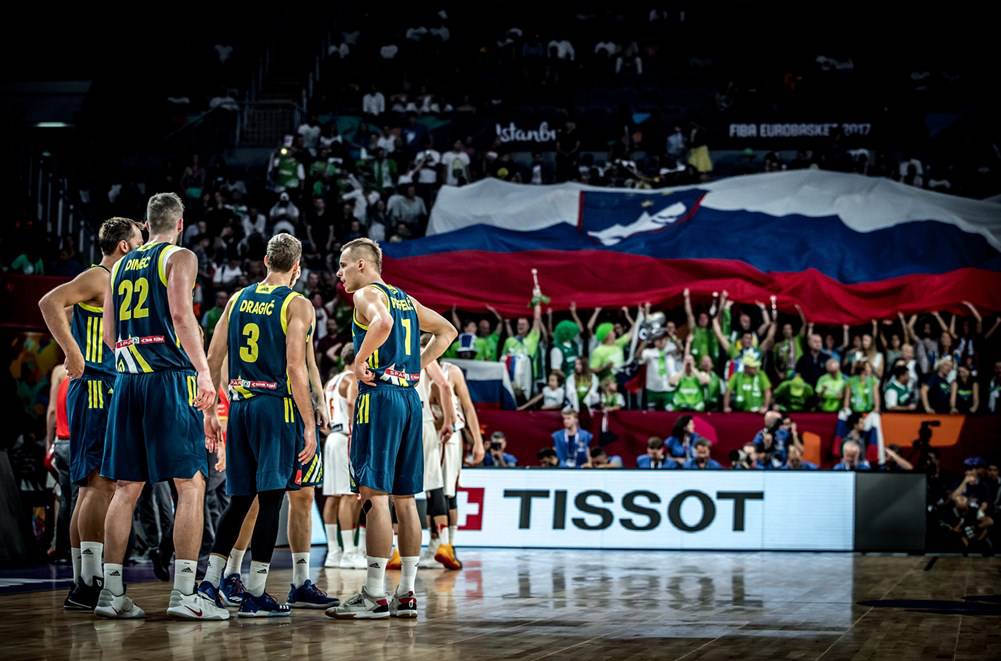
<point>847,248</point>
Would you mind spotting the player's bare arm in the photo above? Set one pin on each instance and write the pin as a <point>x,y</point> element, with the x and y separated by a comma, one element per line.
<point>182,268</point>
<point>443,333</point>
<point>372,309</point>
<point>458,381</point>
<point>301,314</point>
<point>88,287</point>
<point>316,383</point>
<point>218,348</point>
<point>437,377</point>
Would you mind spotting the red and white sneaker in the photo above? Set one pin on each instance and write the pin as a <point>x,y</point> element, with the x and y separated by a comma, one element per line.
<point>403,605</point>
<point>362,606</point>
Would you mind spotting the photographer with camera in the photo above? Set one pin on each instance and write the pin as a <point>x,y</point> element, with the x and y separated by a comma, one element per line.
<point>702,460</point>
<point>655,457</point>
<point>851,458</point>
<point>748,457</point>
<point>778,434</point>
<point>796,462</point>
<point>967,527</point>
<point>496,456</point>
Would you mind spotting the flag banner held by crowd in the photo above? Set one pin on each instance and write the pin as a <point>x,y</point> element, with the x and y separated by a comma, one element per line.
<point>847,248</point>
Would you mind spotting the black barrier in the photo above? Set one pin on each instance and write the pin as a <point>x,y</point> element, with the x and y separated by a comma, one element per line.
<point>890,512</point>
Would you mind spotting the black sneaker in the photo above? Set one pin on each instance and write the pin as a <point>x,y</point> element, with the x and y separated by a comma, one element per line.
<point>83,597</point>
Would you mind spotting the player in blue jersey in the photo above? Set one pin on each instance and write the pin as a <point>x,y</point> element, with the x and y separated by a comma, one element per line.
<point>155,425</point>
<point>91,366</point>
<point>271,430</point>
<point>387,452</point>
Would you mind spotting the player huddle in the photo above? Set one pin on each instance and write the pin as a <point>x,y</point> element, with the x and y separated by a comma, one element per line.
<point>142,407</point>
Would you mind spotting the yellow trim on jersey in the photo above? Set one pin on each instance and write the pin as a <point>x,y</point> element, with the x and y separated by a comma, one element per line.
<point>232,303</point>
<point>114,271</point>
<point>100,393</point>
<point>91,308</point>
<point>192,384</point>
<point>161,262</point>
<point>139,358</point>
<point>360,325</point>
<point>364,408</point>
<point>262,288</point>
<point>373,360</point>
<point>313,464</point>
<point>242,392</point>
<point>285,304</point>
<point>148,246</point>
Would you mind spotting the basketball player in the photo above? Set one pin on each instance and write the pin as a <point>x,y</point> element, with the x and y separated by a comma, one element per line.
<point>91,366</point>
<point>342,504</point>
<point>433,440</point>
<point>467,425</point>
<point>271,431</point>
<point>386,449</point>
<point>155,424</point>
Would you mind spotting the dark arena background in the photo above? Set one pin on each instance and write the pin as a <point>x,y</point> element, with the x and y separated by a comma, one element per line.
<point>725,284</point>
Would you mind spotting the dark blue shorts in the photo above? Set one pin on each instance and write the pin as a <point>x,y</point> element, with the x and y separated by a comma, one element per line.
<point>87,401</point>
<point>263,441</point>
<point>312,470</point>
<point>155,432</point>
<point>387,449</point>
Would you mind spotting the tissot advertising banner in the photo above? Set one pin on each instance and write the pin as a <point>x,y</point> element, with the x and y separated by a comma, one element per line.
<point>631,509</point>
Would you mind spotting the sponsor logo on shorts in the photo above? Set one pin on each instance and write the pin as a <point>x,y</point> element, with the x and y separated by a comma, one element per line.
<point>244,383</point>
<point>148,339</point>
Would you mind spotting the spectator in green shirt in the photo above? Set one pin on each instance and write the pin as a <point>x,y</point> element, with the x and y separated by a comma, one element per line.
<point>831,387</point>
<point>862,392</point>
<point>794,394</point>
<point>523,347</point>
<point>746,347</point>
<point>610,353</point>
<point>704,342</point>
<point>749,390</point>
<point>789,350</point>
<point>714,388</point>
<point>211,316</point>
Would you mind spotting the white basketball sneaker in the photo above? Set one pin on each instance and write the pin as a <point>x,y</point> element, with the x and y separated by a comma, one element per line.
<point>117,607</point>
<point>194,607</point>
<point>333,559</point>
<point>427,560</point>
<point>353,560</point>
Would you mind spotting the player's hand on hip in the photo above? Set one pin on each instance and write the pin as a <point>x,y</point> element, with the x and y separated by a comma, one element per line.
<point>74,362</point>
<point>310,449</point>
<point>445,433</point>
<point>363,373</point>
<point>205,399</point>
<point>220,457</point>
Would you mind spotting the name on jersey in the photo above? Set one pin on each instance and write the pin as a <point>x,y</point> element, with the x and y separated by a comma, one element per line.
<point>148,339</point>
<point>136,263</point>
<point>257,307</point>
<point>244,383</point>
<point>402,304</point>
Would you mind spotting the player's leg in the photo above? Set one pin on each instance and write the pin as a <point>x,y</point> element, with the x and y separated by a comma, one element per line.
<point>232,526</point>
<point>91,510</point>
<point>257,602</point>
<point>74,531</point>
<point>125,462</point>
<point>350,515</point>
<point>404,602</point>
<point>175,444</point>
<point>452,464</point>
<point>303,592</point>
<point>331,502</point>
<point>232,587</point>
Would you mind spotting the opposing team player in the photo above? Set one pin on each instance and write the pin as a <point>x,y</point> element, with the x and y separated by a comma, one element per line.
<point>387,454</point>
<point>90,366</point>
<point>155,424</point>
<point>467,426</point>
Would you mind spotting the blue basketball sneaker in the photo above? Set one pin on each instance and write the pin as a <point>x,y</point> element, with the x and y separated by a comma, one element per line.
<point>232,590</point>
<point>263,606</point>
<point>308,595</point>
<point>211,593</point>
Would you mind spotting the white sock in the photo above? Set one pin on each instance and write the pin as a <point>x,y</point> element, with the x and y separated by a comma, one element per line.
<point>258,577</point>
<point>75,554</point>
<point>214,572</point>
<point>451,535</point>
<point>362,546</point>
<point>113,578</point>
<point>235,562</point>
<point>443,536</point>
<point>184,575</point>
<point>300,568</point>
<point>331,529</point>
<point>409,573</point>
<point>433,545</point>
<point>348,540</point>
<point>375,582</point>
<point>91,557</point>
<point>396,545</point>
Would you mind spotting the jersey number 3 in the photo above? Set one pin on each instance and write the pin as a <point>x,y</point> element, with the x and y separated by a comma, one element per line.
<point>250,352</point>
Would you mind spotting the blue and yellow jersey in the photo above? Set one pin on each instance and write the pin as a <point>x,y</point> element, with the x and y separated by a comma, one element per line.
<point>87,326</point>
<point>258,322</point>
<point>398,361</point>
<point>145,340</point>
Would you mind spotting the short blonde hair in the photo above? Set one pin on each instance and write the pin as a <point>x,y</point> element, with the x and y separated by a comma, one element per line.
<point>283,252</point>
<point>163,211</point>
<point>371,248</point>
